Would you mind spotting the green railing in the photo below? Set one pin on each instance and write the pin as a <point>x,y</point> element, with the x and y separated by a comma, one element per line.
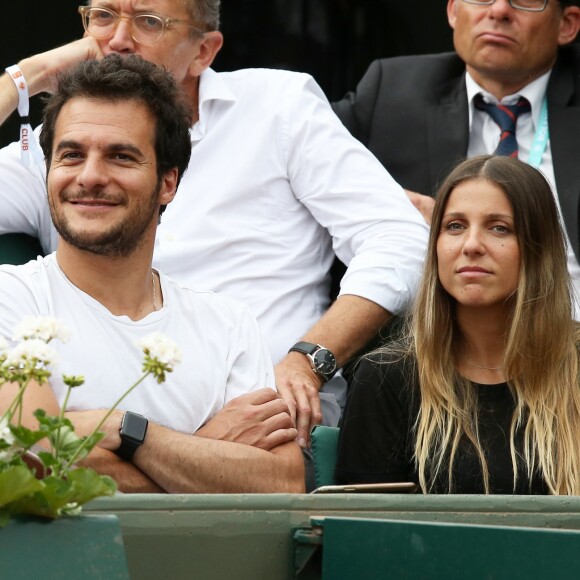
<point>271,537</point>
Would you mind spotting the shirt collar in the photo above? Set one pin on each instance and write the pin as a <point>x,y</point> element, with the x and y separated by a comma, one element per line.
<point>211,88</point>
<point>534,92</point>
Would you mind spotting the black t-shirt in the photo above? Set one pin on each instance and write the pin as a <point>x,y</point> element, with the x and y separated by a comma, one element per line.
<point>376,438</point>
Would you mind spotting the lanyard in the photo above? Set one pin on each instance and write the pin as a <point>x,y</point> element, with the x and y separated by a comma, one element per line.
<point>540,138</point>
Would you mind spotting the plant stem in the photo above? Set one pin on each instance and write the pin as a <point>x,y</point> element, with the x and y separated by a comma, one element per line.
<point>102,421</point>
<point>56,447</point>
<point>16,403</point>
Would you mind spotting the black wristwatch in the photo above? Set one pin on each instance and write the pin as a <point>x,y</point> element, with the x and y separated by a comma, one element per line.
<point>322,361</point>
<point>133,430</point>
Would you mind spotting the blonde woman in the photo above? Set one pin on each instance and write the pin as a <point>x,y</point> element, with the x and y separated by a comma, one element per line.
<point>481,393</point>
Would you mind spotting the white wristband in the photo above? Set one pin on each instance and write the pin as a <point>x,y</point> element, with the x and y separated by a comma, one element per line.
<point>16,75</point>
<point>29,148</point>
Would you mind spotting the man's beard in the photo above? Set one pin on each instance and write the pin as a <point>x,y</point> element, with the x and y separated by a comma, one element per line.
<point>121,239</point>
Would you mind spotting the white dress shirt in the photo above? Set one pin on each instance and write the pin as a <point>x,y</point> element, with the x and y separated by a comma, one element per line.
<point>484,136</point>
<point>275,187</point>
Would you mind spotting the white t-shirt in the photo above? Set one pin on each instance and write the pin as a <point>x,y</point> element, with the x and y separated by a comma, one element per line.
<point>224,355</point>
<point>275,187</point>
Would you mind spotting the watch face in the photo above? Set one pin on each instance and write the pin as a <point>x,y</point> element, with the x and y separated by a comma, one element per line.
<point>134,426</point>
<point>324,362</point>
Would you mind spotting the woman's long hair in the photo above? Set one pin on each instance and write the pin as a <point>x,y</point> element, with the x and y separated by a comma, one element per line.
<point>541,344</point>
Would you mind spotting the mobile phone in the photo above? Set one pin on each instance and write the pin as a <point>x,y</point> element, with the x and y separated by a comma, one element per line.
<point>396,487</point>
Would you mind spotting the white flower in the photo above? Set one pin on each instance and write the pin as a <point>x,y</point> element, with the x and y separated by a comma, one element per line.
<point>43,328</point>
<point>160,348</point>
<point>5,432</point>
<point>6,435</point>
<point>4,346</point>
<point>6,455</point>
<point>31,351</point>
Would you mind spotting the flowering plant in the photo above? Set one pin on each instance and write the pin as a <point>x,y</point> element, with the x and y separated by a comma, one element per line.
<point>49,483</point>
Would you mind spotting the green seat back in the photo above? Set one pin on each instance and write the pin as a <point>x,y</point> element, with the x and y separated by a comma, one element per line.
<point>365,548</point>
<point>19,248</point>
<point>324,453</point>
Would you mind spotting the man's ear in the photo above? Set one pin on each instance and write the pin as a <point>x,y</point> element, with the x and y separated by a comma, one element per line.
<point>209,45</point>
<point>451,13</point>
<point>168,187</point>
<point>569,24</point>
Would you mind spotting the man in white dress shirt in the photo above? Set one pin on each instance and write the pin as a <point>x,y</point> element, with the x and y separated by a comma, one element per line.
<point>279,189</point>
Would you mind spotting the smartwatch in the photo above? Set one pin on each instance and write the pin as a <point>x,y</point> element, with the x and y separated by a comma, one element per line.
<point>322,361</point>
<point>132,431</point>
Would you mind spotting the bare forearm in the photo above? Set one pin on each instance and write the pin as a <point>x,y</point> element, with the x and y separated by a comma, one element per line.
<point>37,76</point>
<point>41,70</point>
<point>347,326</point>
<point>187,464</point>
<point>129,478</point>
<point>345,329</point>
<point>8,97</point>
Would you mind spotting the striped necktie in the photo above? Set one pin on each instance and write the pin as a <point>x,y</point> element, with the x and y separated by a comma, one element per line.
<point>506,117</point>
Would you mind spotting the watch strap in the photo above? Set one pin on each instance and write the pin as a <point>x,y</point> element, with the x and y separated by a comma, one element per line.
<point>305,347</point>
<point>310,349</point>
<point>128,448</point>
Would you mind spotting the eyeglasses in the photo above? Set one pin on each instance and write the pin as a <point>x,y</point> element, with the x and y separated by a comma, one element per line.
<point>527,5</point>
<point>101,23</point>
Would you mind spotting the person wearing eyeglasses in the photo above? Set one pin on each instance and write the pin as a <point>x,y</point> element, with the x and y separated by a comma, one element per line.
<point>421,114</point>
<point>276,188</point>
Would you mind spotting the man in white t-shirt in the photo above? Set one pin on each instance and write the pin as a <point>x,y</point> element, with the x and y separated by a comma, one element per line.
<point>116,141</point>
<point>279,189</point>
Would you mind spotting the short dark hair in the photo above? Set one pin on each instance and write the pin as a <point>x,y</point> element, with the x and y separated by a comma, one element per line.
<point>128,77</point>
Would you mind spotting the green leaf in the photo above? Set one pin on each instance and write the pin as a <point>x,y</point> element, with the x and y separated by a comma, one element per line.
<point>64,497</point>
<point>17,482</point>
<point>93,439</point>
<point>48,459</point>
<point>49,422</point>
<point>39,413</point>
<point>48,502</point>
<point>67,443</point>
<point>89,485</point>
<point>65,439</point>
<point>26,437</point>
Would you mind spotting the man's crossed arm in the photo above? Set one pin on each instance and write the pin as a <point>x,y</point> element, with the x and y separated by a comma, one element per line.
<point>247,447</point>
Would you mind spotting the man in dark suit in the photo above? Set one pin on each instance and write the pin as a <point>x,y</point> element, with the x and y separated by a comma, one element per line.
<point>417,113</point>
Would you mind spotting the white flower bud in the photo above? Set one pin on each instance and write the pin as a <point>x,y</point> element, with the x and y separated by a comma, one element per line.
<point>43,328</point>
<point>5,432</point>
<point>31,351</point>
<point>161,348</point>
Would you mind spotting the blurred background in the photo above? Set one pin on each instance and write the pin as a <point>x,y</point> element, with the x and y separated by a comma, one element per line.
<point>334,40</point>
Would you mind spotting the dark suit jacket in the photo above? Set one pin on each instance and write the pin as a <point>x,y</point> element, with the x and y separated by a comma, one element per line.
<point>412,113</point>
